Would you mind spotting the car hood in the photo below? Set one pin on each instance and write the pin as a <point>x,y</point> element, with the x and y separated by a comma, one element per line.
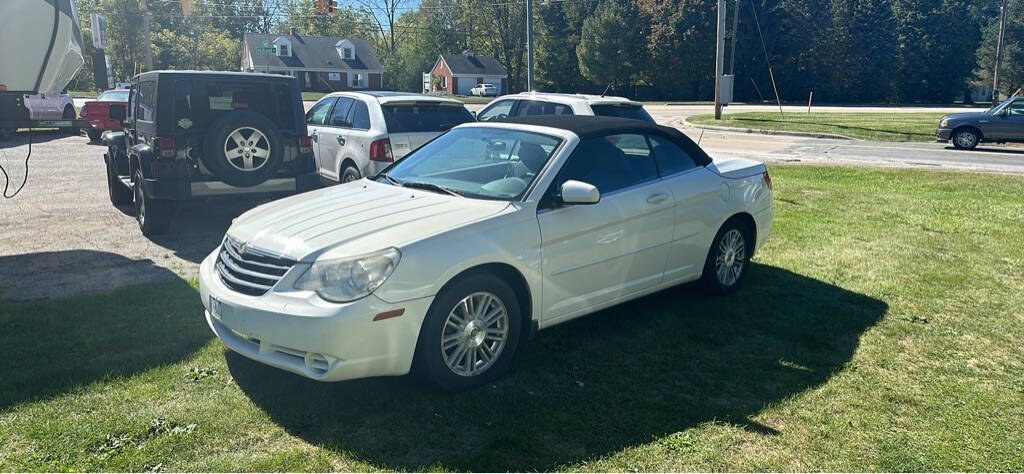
<point>355,218</point>
<point>966,116</point>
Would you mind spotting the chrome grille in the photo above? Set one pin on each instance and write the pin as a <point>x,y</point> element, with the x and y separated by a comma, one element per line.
<point>249,270</point>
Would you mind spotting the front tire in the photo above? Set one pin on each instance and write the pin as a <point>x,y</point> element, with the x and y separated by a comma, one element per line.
<point>965,138</point>
<point>153,215</point>
<point>94,134</point>
<point>728,258</point>
<point>470,334</point>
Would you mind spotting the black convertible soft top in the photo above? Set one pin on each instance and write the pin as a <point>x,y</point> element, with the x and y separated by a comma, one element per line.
<point>586,126</point>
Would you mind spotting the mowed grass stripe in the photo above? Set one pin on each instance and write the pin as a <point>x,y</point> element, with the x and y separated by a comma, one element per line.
<point>878,330</point>
<point>893,127</point>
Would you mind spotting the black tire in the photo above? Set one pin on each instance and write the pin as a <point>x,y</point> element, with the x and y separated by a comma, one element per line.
<point>430,361</point>
<point>6,133</point>
<point>233,170</point>
<point>120,195</point>
<point>348,174</point>
<point>723,247</point>
<point>94,135</point>
<point>153,215</point>
<point>965,138</point>
<point>69,114</point>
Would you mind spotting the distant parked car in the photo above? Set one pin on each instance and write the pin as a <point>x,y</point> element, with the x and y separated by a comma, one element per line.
<point>534,103</point>
<point>357,134</point>
<point>484,90</point>
<point>97,112</point>
<point>1000,124</point>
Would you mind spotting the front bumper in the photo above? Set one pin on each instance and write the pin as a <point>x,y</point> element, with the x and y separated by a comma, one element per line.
<point>301,333</point>
<point>943,134</point>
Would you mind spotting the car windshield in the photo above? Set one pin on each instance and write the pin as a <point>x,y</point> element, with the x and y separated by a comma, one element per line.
<point>624,110</point>
<point>476,162</point>
<point>114,96</point>
<point>1000,105</point>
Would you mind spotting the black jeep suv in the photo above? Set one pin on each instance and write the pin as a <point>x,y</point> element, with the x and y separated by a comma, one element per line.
<point>195,134</point>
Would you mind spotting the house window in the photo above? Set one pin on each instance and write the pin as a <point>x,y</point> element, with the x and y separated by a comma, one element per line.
<point>358,79</point>
<point>348,53</point>
<point>282,50</point>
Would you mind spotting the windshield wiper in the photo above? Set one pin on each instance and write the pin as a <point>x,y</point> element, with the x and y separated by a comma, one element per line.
<point>430,187</point>
<point>392,180</point>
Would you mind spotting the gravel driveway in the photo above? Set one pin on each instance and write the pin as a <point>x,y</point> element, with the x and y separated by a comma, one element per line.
<point>61,236</point>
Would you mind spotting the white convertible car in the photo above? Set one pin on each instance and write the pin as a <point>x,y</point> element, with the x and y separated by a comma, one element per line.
<point>450,259</point>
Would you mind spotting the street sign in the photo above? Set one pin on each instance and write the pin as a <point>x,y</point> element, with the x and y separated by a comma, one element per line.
<point>99,30</point>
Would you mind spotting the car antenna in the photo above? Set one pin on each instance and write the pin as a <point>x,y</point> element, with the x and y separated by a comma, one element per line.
<point>606,89</point>
<point>701,137</point>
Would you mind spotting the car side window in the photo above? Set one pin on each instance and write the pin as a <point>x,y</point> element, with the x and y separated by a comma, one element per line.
<point>501,109</point>
<point>317,114</point>
<point>537,107</point>
<point>147,101</point>
<point>670,158</point>
<point>339,116</point>
<point>360,116</point>
<point>132,101</point>
<point>1016,108</point>
<point>610,163</point>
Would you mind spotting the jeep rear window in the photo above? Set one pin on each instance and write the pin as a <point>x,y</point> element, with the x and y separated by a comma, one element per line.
<point>268,99</point>
<point>625,111</point>
<point>424,117</point>
<point>183,105</point>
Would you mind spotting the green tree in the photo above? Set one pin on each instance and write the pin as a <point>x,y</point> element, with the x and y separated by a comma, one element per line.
<point>937,45</point>
<point>674,27</point>
<point>859,44</point>
<point>610,47</point>
<point>556,35</point>
<point>1011,75</point>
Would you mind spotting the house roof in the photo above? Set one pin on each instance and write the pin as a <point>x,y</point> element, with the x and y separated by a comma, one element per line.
<point>313,52</point>
<point>473,64</point>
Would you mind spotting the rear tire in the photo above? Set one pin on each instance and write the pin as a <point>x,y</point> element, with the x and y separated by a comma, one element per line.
<point>153,215</point>
<point>69,114</point>
<point>965,138</point>
<point>728,259</point>
<point>476,316</point>
<point>348,174</point>
<point>120,195</point>
<point>94,135</point>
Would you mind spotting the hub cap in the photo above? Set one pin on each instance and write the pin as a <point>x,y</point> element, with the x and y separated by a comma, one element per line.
<point>474,334</point>
<point>965,139</point>
<point>247,149</point>
<point>732,252</point>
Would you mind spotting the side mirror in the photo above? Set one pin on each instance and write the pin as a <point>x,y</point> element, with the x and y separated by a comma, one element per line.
<point>578,192</point>
<point>473,113</point>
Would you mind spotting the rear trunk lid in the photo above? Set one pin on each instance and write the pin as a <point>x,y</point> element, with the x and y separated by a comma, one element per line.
<point>403,143</point>
<point>736,168</point>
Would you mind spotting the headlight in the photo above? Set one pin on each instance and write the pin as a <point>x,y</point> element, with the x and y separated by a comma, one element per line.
<point>944,123</point>
<point>348,279</point>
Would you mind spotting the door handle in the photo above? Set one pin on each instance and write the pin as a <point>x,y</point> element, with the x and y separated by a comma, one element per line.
<point>313,136</point>
<point>341,140</point>
<point>657,198</point>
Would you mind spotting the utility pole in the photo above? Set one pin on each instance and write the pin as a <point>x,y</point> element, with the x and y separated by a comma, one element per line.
<point>719,59</point>
<point>529,45</point>
<point>735,26</point>
<point>999,54</point>
<point>145,28</point>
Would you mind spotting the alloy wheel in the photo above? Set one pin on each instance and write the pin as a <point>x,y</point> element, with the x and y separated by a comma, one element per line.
<point>247,149</point>
<point>474,334</point>
<point>732,252</point>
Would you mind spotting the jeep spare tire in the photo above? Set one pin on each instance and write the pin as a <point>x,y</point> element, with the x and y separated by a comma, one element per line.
<point>243,148</point>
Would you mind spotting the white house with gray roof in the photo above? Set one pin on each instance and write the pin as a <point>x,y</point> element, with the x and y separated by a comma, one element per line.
<point>320,63</point>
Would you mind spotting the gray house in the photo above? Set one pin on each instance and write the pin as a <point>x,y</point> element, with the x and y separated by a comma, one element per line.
<point>320,63</point>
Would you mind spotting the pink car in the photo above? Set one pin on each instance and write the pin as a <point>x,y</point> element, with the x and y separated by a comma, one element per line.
<point>97,112</point>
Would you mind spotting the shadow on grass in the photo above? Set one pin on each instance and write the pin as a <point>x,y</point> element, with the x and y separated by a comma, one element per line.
<point>51,347</point>
<point>838,126</point>
<point>594,386</point>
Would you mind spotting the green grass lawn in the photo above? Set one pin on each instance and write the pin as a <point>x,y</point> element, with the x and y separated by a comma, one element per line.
<point>893,127</point>
<point>880,330</point>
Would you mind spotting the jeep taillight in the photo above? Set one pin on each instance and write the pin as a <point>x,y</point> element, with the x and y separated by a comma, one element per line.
<point>380,150</point>
<point>767,179</point>
<point>166,148</point>
<point>305,145</point>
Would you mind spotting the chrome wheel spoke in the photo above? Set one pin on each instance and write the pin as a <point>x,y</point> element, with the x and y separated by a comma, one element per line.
<point>474,334</point>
